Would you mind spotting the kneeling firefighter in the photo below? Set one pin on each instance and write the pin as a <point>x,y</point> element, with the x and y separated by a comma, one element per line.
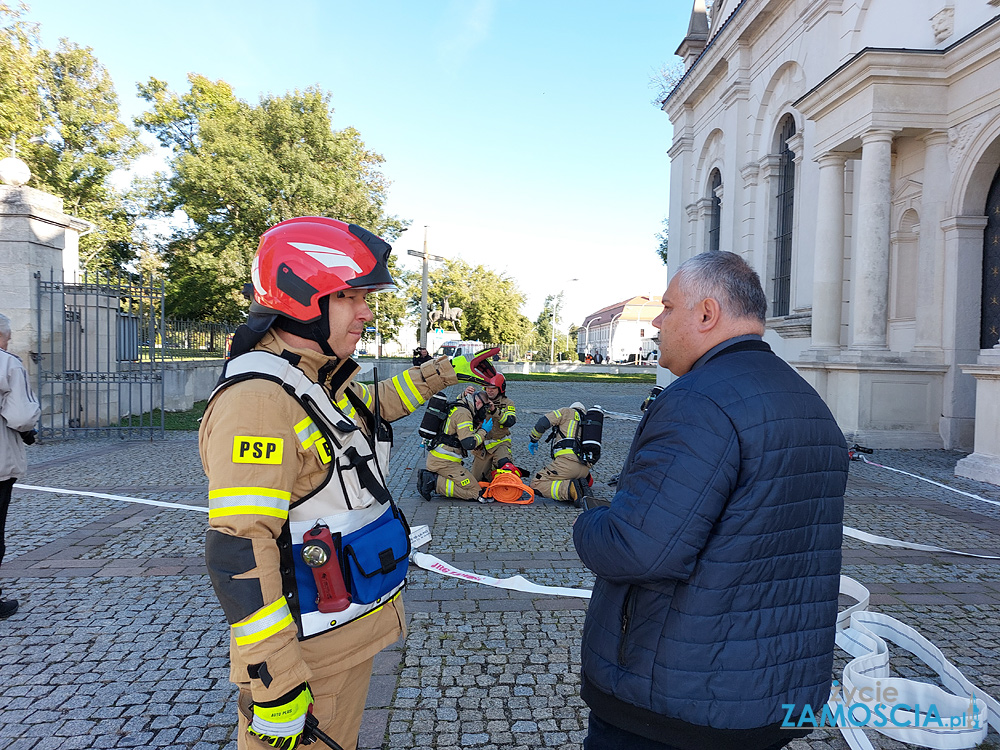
<point>463,428</point>
<point>304,538</point>
<point>496,449</point>
<point>576,447</point>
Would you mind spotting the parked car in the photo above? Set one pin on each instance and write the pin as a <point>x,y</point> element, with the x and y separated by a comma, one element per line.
<point>631,359</point>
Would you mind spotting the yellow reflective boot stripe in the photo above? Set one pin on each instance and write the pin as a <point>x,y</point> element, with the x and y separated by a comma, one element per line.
<point>555,489</point>
<point>263,623</point>
<point>308,432</point>
<point>449,488</point>
<point>242,501</point>
<point>405,382</point>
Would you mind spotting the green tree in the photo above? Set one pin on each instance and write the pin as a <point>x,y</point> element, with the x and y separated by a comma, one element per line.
<point>490,302</point>
<point>389,308</point>
<point>664,240</point>
<point>21,112</point>
<point>547,331</point>
<point>239,168</point>
<point>62,107</point>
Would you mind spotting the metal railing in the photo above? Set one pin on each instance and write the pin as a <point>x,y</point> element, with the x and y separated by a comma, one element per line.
<point>187,339</point>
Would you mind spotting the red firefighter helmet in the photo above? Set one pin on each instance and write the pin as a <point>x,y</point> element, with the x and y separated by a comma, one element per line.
<point>302,260</point>
<point>499,381</point>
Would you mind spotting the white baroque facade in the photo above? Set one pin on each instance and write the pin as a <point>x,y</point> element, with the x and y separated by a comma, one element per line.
<point>847,150</point>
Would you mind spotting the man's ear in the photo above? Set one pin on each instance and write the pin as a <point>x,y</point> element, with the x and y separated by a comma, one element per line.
<point>710,313</point>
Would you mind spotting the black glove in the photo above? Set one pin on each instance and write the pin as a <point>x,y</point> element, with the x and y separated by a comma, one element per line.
<point>28,436</point>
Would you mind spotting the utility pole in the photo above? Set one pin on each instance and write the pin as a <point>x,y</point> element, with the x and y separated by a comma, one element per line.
<point>423,288</point>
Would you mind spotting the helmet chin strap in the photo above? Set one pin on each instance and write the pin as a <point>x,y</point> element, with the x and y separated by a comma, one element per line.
<point>317,330</point>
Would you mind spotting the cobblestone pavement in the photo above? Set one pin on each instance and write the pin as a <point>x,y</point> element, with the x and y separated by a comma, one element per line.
<point>120,641</point>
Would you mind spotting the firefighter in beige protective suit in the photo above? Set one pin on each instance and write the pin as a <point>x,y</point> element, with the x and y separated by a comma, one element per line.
<point>565,477</point>
<point>306,549</point>
<point>463,430</point>
<point>496,448</point>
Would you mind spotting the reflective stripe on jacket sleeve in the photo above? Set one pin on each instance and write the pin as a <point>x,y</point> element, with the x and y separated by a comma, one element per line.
<point>263,623</point>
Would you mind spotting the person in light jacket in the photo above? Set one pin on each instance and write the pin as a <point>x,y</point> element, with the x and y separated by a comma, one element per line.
<point>19,412</point>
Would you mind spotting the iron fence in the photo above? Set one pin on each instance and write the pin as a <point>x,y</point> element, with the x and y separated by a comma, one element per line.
<point>92,376</point>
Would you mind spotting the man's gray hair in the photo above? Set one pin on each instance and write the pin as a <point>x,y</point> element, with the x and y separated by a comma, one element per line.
<point>727,278</point>
<point>4,325</point>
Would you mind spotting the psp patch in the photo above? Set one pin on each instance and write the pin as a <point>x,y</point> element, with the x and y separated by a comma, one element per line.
<point>250,449</point>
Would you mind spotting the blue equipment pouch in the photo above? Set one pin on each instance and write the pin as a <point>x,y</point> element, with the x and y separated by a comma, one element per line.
<point>376,556</point>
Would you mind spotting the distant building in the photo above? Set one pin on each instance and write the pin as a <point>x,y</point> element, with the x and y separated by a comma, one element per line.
<point>621,331</point>
<point>850,152</point>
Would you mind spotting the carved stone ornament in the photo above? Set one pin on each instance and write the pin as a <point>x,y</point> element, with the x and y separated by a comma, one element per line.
<point>943,23</point>
<point>960,136</point>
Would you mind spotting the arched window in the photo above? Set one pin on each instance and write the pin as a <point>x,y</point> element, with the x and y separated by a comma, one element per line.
<point>715,212</point>
<point>903,268</point>
<point>782,278</point>
<point>989,330</point>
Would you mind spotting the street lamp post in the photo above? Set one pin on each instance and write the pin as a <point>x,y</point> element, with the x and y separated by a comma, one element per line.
<point>586,345</point>
<point>611,337</point>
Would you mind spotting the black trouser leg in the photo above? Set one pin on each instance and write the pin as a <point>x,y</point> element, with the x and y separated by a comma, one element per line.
<point>6,489</point>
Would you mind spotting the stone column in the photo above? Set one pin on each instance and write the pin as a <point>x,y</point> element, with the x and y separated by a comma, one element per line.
<point>931,255</point>
<point>870,296</point>
<point>984,464</point>
<point>963,268</point>
<point>35,237</point>
<point>828,270</point>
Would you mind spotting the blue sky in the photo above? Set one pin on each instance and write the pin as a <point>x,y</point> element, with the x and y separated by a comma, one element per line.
<point>519,132</point>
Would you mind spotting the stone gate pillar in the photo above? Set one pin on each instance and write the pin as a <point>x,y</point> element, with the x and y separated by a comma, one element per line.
<point>35,237</point>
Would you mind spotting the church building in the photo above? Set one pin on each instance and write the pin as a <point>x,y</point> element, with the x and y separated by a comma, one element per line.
<point>849,151</point>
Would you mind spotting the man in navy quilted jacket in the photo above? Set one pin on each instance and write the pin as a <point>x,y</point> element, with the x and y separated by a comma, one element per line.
<point>718,560</point>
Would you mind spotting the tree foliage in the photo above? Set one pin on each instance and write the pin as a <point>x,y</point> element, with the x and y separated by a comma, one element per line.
<point>239,168</point>
<point>664,240</point>
<point>548,336</point>
<point>62,108</point>
<point>664,81</point>
<point>490,302</point>
<point>389,308</point>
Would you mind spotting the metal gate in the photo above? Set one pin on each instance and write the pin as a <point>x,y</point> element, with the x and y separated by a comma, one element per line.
<point>100,357</point>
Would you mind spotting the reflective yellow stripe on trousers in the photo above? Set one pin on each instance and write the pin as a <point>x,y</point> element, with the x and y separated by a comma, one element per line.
<point>490,446</point>
<point>263,623</point>
<point>445,455</point>
<point>242,501</point>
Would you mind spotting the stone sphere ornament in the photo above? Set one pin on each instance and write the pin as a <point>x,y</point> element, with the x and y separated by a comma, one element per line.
<point>14,172</point>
